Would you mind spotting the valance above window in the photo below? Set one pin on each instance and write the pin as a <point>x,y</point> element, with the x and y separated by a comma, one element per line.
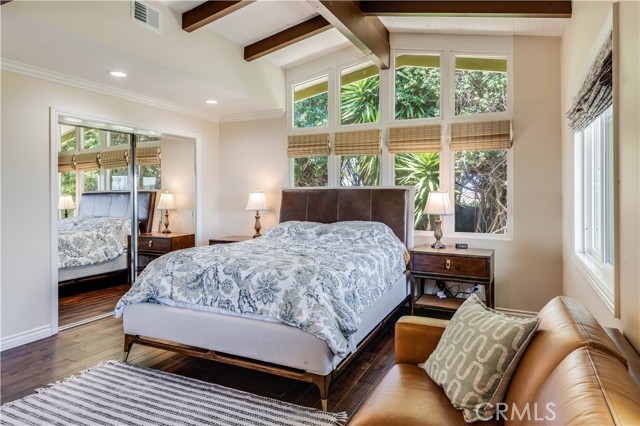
<point>110,159</point>
<point>114,159</point>
<point>66,163</point>
<point>415,139</point>
<point>87,161</point>
<point>485,135</point>
<point>596,93</point>
<point>363,142</point>
<point>308,145</point>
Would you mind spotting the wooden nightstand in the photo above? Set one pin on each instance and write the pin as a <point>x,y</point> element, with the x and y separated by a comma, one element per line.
<point>230,239</point>
<point>154,245</point>
<point>471,266</point>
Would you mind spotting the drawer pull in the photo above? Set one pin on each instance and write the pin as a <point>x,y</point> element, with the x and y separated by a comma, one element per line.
<point>151,243</point>
<point>448,264</point>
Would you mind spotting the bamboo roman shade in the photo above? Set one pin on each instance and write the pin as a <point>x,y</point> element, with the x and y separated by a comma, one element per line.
<point>148,156</point>
<point>596,93</point>
<point>87,161</point>
<point>308,145</point>
<point>363,142</point>
<point>415,139</point>
<point>114,159</point>
<point>66,162</point>
<point>486,135</point>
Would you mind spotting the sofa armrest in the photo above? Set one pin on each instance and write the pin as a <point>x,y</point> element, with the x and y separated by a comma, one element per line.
<point>416,338</point>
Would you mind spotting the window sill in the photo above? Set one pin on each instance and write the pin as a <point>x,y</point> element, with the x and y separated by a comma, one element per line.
<point>598,276</point>
<point>466,236</point>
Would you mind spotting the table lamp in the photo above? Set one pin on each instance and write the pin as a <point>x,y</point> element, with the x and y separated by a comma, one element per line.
<point>65,202</point>
<point>438,204</point>
<point>257,203</point>
<point>166,203</point>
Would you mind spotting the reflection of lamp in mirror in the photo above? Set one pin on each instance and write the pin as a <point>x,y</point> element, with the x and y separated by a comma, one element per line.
<point>438,204</point>
<point>65,202</point>
<point>257,203</point>
<point>166,203</point>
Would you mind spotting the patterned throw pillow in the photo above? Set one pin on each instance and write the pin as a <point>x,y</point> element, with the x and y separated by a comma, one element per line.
<point>477,355</point>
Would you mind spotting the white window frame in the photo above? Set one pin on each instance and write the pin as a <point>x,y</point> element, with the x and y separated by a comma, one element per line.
<point>590,259</point>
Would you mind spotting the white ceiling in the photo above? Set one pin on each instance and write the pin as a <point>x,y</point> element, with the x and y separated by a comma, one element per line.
<point>33,43</point>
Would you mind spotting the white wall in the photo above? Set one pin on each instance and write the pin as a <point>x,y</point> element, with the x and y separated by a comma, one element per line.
<point>578,39</point>
<point>179,178</point>
<point>26,286</point>
<point>253,156</point>
<point>528,268</point>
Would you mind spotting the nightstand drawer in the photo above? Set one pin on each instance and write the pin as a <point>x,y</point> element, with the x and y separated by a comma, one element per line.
<point>154,244</point>
<point>451,266</point>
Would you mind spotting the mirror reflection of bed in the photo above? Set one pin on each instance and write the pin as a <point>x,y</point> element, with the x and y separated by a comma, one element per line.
<point>92,253</point>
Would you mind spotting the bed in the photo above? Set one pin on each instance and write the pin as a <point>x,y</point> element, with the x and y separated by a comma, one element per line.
<point>276,347</point>
<point>93,244</point>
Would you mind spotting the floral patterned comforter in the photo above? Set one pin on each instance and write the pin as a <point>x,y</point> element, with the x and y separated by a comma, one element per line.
<point>87,240</point>
<point>317,277</point>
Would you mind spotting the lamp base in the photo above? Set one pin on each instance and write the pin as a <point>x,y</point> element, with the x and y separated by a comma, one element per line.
<point>438,245</point>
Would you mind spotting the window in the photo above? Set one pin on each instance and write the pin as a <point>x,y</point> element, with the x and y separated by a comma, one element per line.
<point>149,176</point>
<point>417,86</point>
<point>311,171</point>
<point>90,138</point>
<point>481,191</point>
<point>90,180</point>
<point>422,171</point>
<point>68,186</point>
<point>359,170</point>
<point>480,85</point>
<point>118,179</point>
<point>360,94</point>
<point>596,186</point>
<point>311,103</point>
<point>118,139</point>
<point>68,138</point>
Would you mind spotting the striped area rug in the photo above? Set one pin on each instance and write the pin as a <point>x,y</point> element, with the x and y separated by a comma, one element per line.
<point>117,393</point>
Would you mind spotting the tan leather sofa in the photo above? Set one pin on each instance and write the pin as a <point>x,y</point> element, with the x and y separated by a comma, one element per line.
<point>571,374</point>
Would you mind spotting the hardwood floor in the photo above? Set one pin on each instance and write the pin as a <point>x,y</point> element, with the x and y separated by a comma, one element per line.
<point>37,364</point>
<point>75,306</point>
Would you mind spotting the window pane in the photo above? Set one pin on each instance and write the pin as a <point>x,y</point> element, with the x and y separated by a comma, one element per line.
<point>360,94</point>
<point>90,138</point>
<point>360,170</point>
<point>481,85</point>
<point>149,177</point>
<point>310,103</point>
<point>310,171</point>
<point>118,139</point>
<point>68,184</point>
<point>90,178</point>
<point>422,171</point>
<point>608,174</point>
<point>67,138</point>
<point>481,191</point>
<point>148,138</point>
<point>417,85</point>
<point>118,179</point>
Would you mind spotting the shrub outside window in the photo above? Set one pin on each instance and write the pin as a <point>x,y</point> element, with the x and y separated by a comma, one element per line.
<point>422,171</point>
<point>417,86</point>
<point>360,94</point>
<point>311,103</point>
<point>359,170</point>
<point>311,171</point>
<point>118,139</point>
<point>481,191</point>
<point>480,85</point>
<point>90,138</point>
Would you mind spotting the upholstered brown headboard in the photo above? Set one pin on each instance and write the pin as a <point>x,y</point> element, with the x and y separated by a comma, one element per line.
<point>392,206</point>
<point>117,203</point>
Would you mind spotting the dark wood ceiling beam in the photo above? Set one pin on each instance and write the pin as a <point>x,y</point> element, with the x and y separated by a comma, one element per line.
<point>366,32</point>
<point>517,9</point>
<point>210,11</point>
<point>285,38</point>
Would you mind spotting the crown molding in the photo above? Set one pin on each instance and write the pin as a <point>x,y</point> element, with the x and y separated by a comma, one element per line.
<point>56,77</point>
<point>248,116</point>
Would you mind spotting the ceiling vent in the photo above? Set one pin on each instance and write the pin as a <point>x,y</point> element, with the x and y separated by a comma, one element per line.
<point>145,15</point>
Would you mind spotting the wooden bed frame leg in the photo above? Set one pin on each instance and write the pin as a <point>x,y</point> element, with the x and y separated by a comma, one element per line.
<point>128,343</point>
<point>323,382</point>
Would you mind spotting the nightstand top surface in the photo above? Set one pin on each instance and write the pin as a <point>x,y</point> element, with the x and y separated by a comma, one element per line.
<point>451,250</point>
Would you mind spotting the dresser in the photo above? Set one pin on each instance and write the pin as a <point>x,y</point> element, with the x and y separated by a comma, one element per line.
<point>468,266</point>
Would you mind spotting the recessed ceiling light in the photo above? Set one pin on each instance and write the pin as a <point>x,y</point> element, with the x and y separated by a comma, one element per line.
<point>117,73</point>
<point>211,101</point>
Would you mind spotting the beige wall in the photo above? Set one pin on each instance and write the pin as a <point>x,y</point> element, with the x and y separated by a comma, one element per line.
<point>179,178</point>
<point>26,282</point>
<point>528,268</point>
<point>579,37</point>
<point>253,156</point>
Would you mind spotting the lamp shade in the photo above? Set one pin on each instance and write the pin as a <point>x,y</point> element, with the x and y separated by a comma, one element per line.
<point>66,202</point>
<point>438,203</point>
<point>166,201</point>
<point>256,201</point>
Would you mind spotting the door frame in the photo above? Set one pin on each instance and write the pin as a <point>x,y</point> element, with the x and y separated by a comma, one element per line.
<point>106,123</point>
